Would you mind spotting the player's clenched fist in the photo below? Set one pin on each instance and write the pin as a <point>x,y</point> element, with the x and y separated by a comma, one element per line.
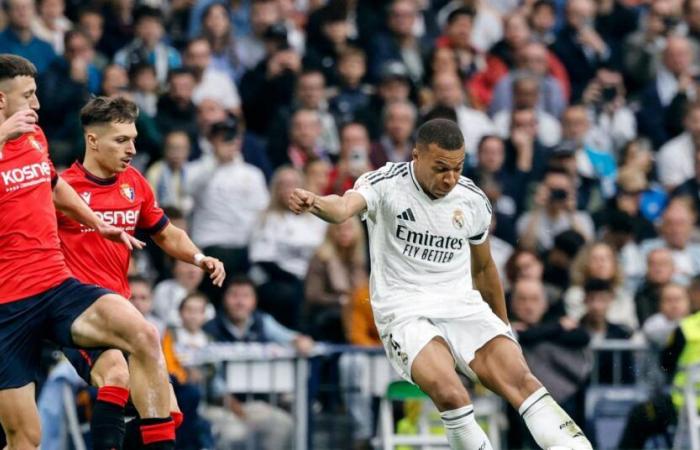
<point>301,201</point>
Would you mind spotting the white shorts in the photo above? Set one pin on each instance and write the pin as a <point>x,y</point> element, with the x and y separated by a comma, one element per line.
<point>405,338</point>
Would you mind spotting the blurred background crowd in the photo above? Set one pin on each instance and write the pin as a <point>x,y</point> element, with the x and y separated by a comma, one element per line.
<point>581,120</point>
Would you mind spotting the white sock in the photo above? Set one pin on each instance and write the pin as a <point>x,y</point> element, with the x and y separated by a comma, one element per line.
<point>549,424</point>
<point>463,433</point>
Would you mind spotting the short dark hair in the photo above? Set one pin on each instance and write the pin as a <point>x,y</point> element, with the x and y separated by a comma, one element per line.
<point>131,279</point>
<point>12,66</point>
<point>180,71</point>
<point>444,133</point>
<point>76,32</point>
<point>190,296</point>
<point>597,285</point>
<point>100,110</point>
<point>147,12</point>
<point>240,280</point>
<point>463,11</point>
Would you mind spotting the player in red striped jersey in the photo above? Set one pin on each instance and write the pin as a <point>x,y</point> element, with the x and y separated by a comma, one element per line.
<point>38,297</point>
<point>119,194</point>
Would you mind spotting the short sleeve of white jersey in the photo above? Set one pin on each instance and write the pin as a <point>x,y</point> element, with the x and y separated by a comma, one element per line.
<point>481,213</point>
<point>368,186</point>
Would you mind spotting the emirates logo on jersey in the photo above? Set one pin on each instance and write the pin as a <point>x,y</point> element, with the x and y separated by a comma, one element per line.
<point>128,192</point>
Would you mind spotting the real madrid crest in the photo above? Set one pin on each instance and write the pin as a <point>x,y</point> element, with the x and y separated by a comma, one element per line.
<point>128,192</point>
<point>458,219</point>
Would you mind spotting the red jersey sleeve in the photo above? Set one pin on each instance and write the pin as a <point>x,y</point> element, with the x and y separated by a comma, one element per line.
<point>40,138</point>
<point>152,219</point>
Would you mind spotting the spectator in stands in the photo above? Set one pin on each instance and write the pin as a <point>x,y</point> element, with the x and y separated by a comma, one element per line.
<point>180,344</point>
<point>631,183</point>
<point>66,86</point>
<point>542,18</point>
<point>176,110</point>
<point>51,25</point>
<point>534,59</point>
<point>485,27</point>
<point>399,42</point>
<point>19,39</point>
<point>474,124</point>
<point>674,305</point>
<point>554,211</point>
<point>394,85</point>
<point>239,13</point>
<point>310,93</point>
<point>676,159</point>
<point>691,186</point>
<point>91,21</point>
<point>336,271</point>
<point>229,195</point>
<point>659,272</point>
<point>354,158</point>
<point>459,36</point>
<point>282,245</point>
<point>556,349</point>
<point>675,233</point>
<point>523,264</point>
<point>142,299</point>
<point>642,49</point>
<point>317,175</point>
<point>148,46</point>
<point>167,176</point>
<point>592,163</point>
<point>613,122</point>
<point>270,84</point>
<point>304,141</point>
<point>579,46</point>
<point>599,261</point>
<point>217,30</point>
<point>526,95</point>
<point>323,53</point>
<point>168,294</point>
<point>598,297</point>
<point>210,82</point>
<point>144,88</point>
<point>525,153</point>
<point>658,118</point>
<point>557,264</point>
<point>240,321</point>
<point>250,46</point>
<point>352,93</point>
<point>396,141</point>
<point>356,368</point>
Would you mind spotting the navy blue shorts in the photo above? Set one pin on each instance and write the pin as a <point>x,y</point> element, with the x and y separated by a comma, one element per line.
<point>82,359</point>
<point>25,323</point>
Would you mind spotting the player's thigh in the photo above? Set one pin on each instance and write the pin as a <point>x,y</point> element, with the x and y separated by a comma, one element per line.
<point>19,415</point>
<point>433,370</point>
<point>501,367</point>
<point>112,321</point>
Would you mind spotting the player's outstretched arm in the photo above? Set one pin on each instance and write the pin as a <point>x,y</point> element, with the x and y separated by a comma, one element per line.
<point>486,279</point>
<point>69,203</point>
<point>331,208</point>
<point>176,243</point>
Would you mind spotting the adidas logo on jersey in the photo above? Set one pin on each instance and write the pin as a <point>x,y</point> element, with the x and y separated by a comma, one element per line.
<point>407,215</point>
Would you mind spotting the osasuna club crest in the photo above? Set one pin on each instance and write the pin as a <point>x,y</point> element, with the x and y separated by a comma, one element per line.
<point>86,196</point>
<point>458,219</point>
<point>128,192</point>
<point>36,144</point>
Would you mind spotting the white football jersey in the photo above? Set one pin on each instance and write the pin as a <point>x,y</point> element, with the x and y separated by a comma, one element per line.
<point>419,246</point>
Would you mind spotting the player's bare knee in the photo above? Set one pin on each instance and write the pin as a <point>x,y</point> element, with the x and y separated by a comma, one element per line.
<point>447,396</point>
<point>146,341</point>
<point>111,369</point>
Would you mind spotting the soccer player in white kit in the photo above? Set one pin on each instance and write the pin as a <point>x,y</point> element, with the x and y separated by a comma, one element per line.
<point>428,232</point>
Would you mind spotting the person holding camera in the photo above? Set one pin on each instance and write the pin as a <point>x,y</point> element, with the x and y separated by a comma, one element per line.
<point>613,121</point>
<point>553,212</point>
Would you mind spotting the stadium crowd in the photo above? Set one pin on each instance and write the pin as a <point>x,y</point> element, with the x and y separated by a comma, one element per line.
<point>581,121</point>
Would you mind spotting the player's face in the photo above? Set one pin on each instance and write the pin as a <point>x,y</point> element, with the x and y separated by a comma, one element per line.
<point>438,170</point>
<point>114,145</point>
<point>18,94</point>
